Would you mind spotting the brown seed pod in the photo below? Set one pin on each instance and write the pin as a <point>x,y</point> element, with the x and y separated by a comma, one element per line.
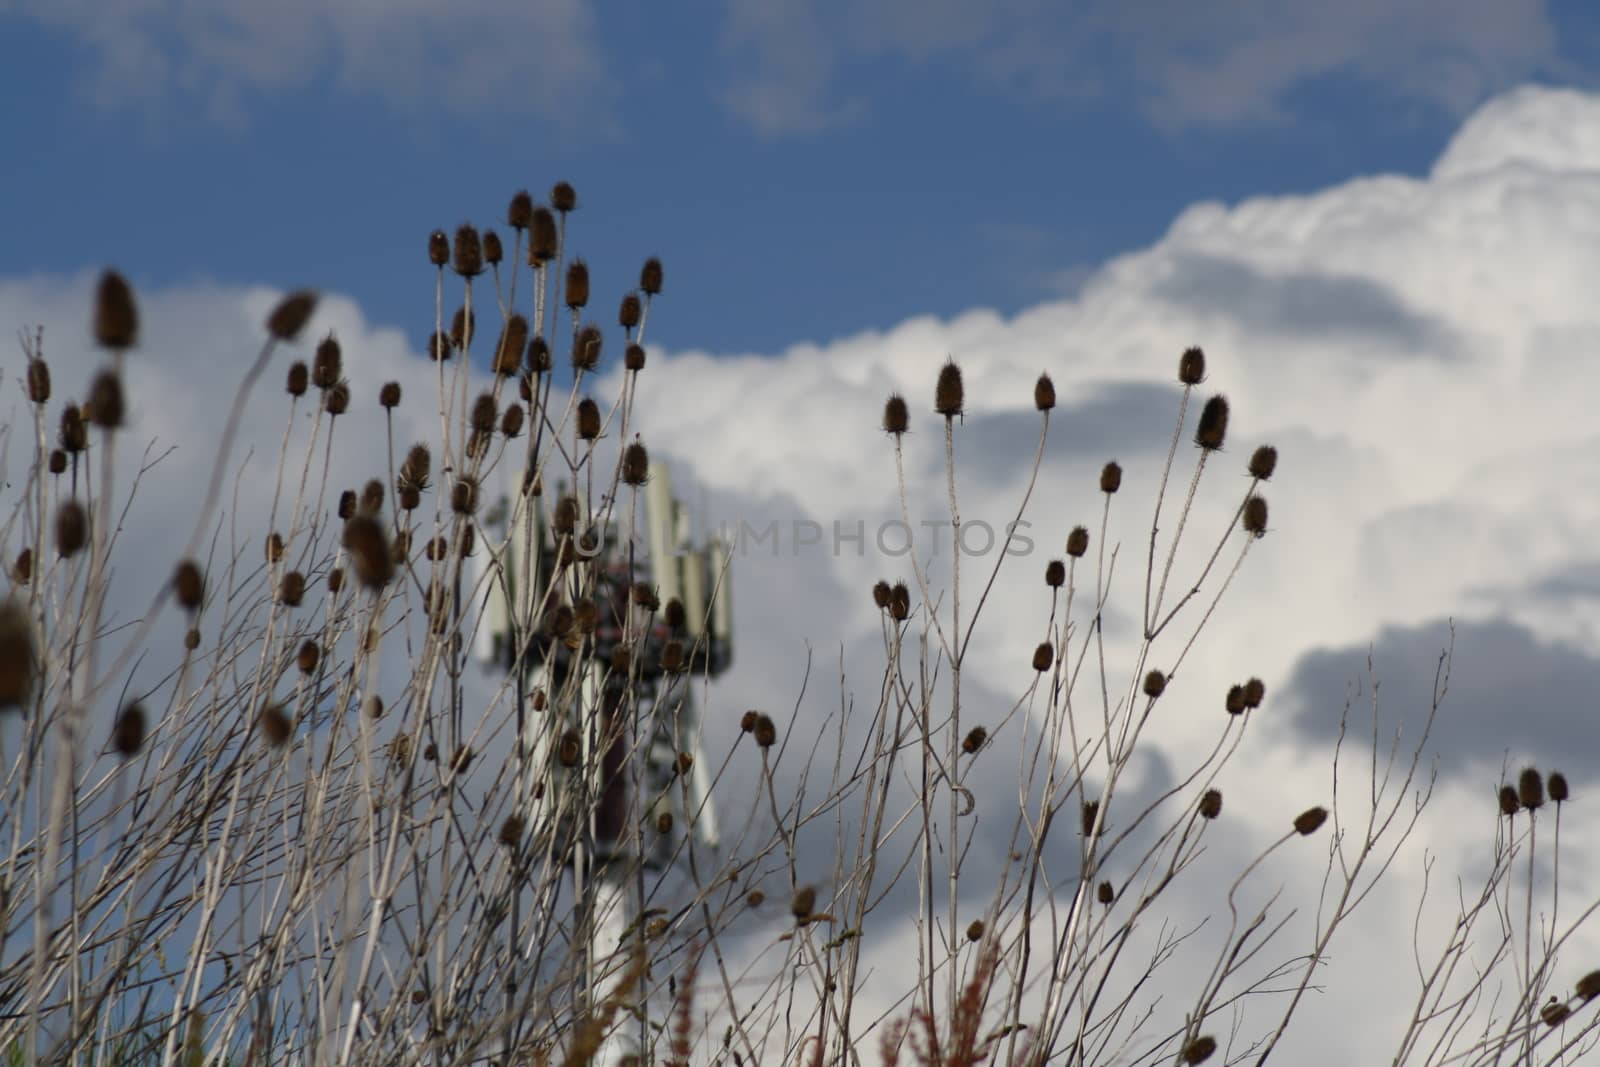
<point>291,314</point>
<point>538,356</point>
<point>975,930</point>
<point>1509,804</point>
<point>570,749</point>
<point>308,657</point>
<point>275,725</point>
<point>585,615</point>
<point>558,621</point>
<point>22,572</point>
<point>116,317</point>
<point>58,461</point>
<point>299,376</point>
<point>415,468</point>
<point>511,422</point>
<point>1558,786</point>
<point>1105,893</point>
<point>633,358</point>
<point>389,396</point>
<point>1044,393</point>
<point>1263,461</point>
<point>1255,691</point>
<point>563,197</point>
<point>755,898</point>
<point>335,579</point>
<point>747,721</point>
<point>1213,428</point>
<point>1211,803</point>
<point>1089,813</point>
<point>630,312</point>
<point>896,415</point>
<point>1043,657</point>
<point>1254,519</point>
<point>461,759</point>
<point>191,640</point>
<point>880,594</point>
<point>292,589</point>
<point>74,435</point>
<point>17,657</point>
<point>588,419</point>
<point>1192,366</point>
<point>400,550</point>
<point>672,658</point>
<point>128,731</point>
<point>368,546</point>
<point>467,259</point>
<point>274,547</point>
<point>188,586</point>
<point>438,248</point>
<point>430,752</point>
<point>336,401</point>
<point>1554,1013</point>
<point>1588,986</point>
<point>511,830</point>
<point>440,346</point>
<point>371,497</point>
<point>492,252</point>
<point>766,731</point>
<point>484,415</point>
<point>949,394</point>
<point>1235,700</point>
<point>586,346</point>
<point>513,342</point>
<point>621,659</point>
<point>664,823</point>
<point>1155,683</point>
<point>1310,820</point>
<point>565,517</point>
<point>520,211</point>
<point>635,464</point>
<point>1077,542</point>
<point>1530,788</point>
<point>463,326</point>
<point>347,503</point>
<point>577,284</point>
<point>974,740</point>
<point>106,400</point>
<point>899,602</point>
<point>1199,1050</point>
<point>464,495</point>
<point>804,903</point>
<point>38,381</point>
<point>650,276</point>
<point>72,529</point>
<point>327,365</point>
<point>543,237</point>
<point>1111,477</point>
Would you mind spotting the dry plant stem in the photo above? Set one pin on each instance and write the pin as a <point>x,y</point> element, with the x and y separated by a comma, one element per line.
<point>953,745</point>
<point>1161,494</point>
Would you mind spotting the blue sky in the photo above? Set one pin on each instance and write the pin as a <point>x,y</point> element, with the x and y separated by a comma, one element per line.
<point>804,174</point>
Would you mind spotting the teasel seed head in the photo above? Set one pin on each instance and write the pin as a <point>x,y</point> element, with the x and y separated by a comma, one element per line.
<point>1235,700</point>
<point>586,346</point>
<point>292,589</point>
<point>308,657</point>
<point>747,721</point>
<point>371,498</point>
<point>1557,783</point>
<point>492,252</point>
<point>389,396</point>
<point>544,238</point>
<point>17,656</point>
<point>440,347</point>
<point>58,461</point>
<point>463,326</point>
<point>1199,1050</point>
<point>1111,477</point>
<point>974,740</point>
<point>880,594</point>
<point>635,465</point>
<point>766,731</point>
<point>128,731</point>
<point>1530,788</point>
<point>569,750</point>
<point>416,467</point>
<point>511,830</point>
<point>1509,805</point>
<point>1213,428</point>
<point>327,364</point>
<point>430,752</point>
<point>899,602</point>
<point>484,415</point>
<point>72,529</point>
<point>564,519</point>
<point>1263,461</point>
<point>106,400</point>
<point>672,657</point>
<point>588,419</point>
<point>275,725</point>
<point>38,381</point>
<point>1089,813</point>
<point>563,197</point>
<point>74,435</point>
<point>1588,986</point>
<point>513,343</point>
<point>804,903</point>
<point>1211,803</point>
<point>464,495</point>
<point>1043,657</point>
<point>438,248</point>
<point>1078,542</point>
<point>1155,683</point>
<point>1554,1013</point>
<point>577,284</point>
<point>650,276</point>
<point>347,503</point>
<point>189,586</point>
<point>116,317</point>
<point>1254,518</point>
<point>538,357</point>
<point>22,570</point>
<point>1105,893</point>
<point>511,421</point>
<point>633,358</point>
<point>630,312</point>
<point>1255,691</point>
<point>949,394</point>
<point>468,258</point>
<point>520,211</point>
<point>191,639</point>
<point>274,548</point>
<point>896,415</point>
<point>975,930</point>
<point>368,546</point>
<point>291,314</point>
<point>336,401</point>
<point>1192,366</point>
<point>299,376</point>
<point>335,579</point>
<point>645,596</point>
<point>461,759</point>
<point>585,616</point>
<point>1310,820</point>
<point>1044,393</point>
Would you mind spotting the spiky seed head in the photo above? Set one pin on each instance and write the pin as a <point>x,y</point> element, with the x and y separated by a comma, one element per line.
<point>327,365</point>
<point>635,464</point>
<point>1211,803</point>
<point>1088,814</point>
<point>974,740</point>
<point>1554,1013</point>
<point>335,579</point>
<point>621,659</point>
<point>416,467</point>
<point>106,400</point>
<point>492,252</point>
<point>766,731</point>
<point>484,414</point>
<point>430,752</point>
<point>588,419</point>
<point>544,238</point>
<point>1235,700</point>
<point>804,903</point>
<point>577,284</point>
<point>1199,1050</point>
<point>438,248</point>
<point>464,495</point>
<point>1192,366</point>
<point>38,381</point>
<point>899,602</point>
<point>371,497</point>
<point>565,519</point>
<point>72,529</point>
<point>645,596</point>
<point>672,658</point>
<point>116,317</point>
<point>633,358</point>
<point>1558,786</point>
<point>128,731</point>
<point>191,639</point>
<point>463,324</point>
<point>1588,986</point>
<point>440,347</point>
<point>275,725</point>
<point>585,615</point>
<point>586,345</point>
<point>975,930</point>
<point>880,594</point>
<point>949,395</point>
<point>467,260</point>
<point>292,589</point>
<point>650,276</point>
<point>1213,428</point>
<point>538,357</point>
<point>308,657</point>
<point>630,312</point>
<point>1530,788</point>
<point>292,314</point>
<point>747,721</point>
<point>17,662</point>
<point>22,570</point>
<point>368,546</point>
<point>74,435</point>
<point>347,503</point>
<point>558,621</point>
<point>298,378</point>
<point>1255,691</point>
<point>570,749</point>
<point>461,759</point>
<point>1043,657</point>
<point>336,401</point>
<point>1105,893</point>
<point>511,830</point>
<point>1263,461</point>
<point>1155,683</point>
<point>189,586</point>
<point>520,211</point>
<point>511,421</point>
<point>1078,542</point>
<point>1254,518</point>
<point>274,548</point>
<point>1509,805</point>
<point>1310,820</point>
<point>563,197</point>
<point>58,461</point>
<point>1111,477</point>
<point>683,763</point>
<point>513,342</point>
<point>389,395</point>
